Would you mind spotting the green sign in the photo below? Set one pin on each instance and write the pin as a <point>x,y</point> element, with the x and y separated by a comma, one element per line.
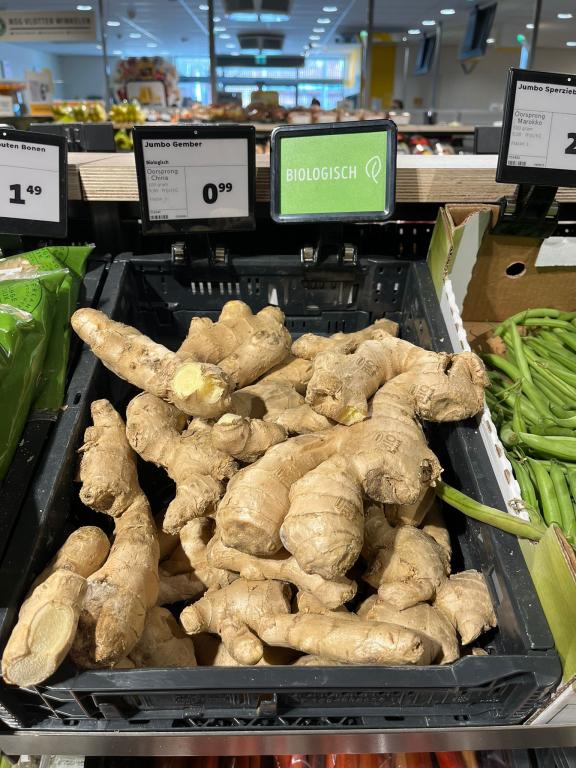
<point>341,173</point>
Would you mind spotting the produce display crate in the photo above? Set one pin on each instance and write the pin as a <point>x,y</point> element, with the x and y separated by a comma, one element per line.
<point>520,667</point>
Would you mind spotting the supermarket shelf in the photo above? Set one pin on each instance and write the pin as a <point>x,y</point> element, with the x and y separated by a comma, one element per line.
<point>458,178</point>
<point>425,130</point>
<point>420,179</point>
<point>143,743</point>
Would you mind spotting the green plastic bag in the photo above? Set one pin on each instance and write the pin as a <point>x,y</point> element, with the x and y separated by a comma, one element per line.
<point>50,393</point>
<point>28,302</point>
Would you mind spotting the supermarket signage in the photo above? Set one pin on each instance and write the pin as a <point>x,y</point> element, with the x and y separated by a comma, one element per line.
<point>196,178</point>
<point>333,172</point>
<point>33,188</point>
<point>52,26</point>
<point>538,144</point>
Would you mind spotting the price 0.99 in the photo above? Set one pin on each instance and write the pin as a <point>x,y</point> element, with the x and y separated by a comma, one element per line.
<point>210,192</point>
<point>16,190</point>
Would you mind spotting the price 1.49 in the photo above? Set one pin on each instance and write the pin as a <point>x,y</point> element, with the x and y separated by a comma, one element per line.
<point>211,191</point>
<point>16,190</point>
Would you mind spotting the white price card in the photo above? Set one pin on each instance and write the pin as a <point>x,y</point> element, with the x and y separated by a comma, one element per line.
<point>195,178</point>
<point>539,130</point>
<point>32,184</point>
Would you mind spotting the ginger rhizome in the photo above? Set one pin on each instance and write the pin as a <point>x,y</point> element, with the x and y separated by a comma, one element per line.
<point>243,345</point>
<point>234,613</point>
<point>163,643</point>
<point>196,388</point>
<point>465,600</point>
<point>120,593</point>
<point>154,430</point>
<point>49,616</point>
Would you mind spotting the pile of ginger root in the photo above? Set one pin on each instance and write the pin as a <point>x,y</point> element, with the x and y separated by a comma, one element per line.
<point>300,472</point>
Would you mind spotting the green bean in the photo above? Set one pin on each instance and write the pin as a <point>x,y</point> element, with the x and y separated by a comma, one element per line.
<point>560,357</point>
<point>551,430</point>
<point>554,380</point>
<point>560,370</point>
<point>531,392</point>
<point>569,422</point>
<point>489,515</point>
<point>564,411</point>
<point>547,494</point>
<point>508,436</point>
<point>526,488</point>
<point>528,411</point>
<point>518,423</point>
<point>563,448</point>
<point>545,387</point>
<point>547,322</point>
<point>572,483</point>
<point>568,339</point>
<point>551,339</point>
<point>563,497</point>
<point>520,317</point>
<point>519,352</point>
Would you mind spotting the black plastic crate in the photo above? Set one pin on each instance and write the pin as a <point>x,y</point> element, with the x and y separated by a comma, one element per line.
<point>521,667</point>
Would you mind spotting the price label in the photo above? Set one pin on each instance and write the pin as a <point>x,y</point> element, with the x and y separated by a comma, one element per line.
<point>335,172</point>
<point>539,129</point>
<point>33,192</point>
<point>197,178</point>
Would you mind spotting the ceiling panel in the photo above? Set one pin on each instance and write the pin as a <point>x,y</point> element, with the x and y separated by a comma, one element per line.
<point>179,27</point>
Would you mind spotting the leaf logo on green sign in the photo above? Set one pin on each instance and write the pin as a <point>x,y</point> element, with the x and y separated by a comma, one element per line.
<point>374,168</point>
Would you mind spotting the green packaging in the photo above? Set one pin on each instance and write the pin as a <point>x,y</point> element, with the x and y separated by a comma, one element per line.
<point>50,393</point>
<point>28,300</point>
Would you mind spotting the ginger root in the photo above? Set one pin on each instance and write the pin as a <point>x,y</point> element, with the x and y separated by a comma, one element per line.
<point>423,618</point>
<point>439,386</point>
<point>163,643</point>
<point>153,428</point>
<point>464,599</point>
<point>309,345</point>
<point>243,345</point>
<point>178,588</point>
<point>337,638</point>
<point>48,618</point>
<point>107,467</point>
<point>126,586</point>
<point>295,371</point>
<point>191,556</point>
<point>411,514</point>
<point>232,611</point>
<point>211,652</point>
<point>245,439</point>
<point>196,388</point>
<point>281,567</point>
<point>409,567</point>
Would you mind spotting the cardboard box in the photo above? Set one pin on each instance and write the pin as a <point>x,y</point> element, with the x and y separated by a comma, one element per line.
<point>481,279</point>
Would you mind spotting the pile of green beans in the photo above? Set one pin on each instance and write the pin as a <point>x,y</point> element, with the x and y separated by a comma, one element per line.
<point>532,398</point>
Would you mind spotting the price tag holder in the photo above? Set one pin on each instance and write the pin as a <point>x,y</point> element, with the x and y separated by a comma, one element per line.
<point>333,172</point>
<point>196,178</point>
<point>538,143</point>
<point>33,184</point>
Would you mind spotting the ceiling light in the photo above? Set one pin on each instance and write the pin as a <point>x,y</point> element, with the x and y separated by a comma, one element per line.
<point>116,53</point>
<point>230,45</point>
<point>413,31</point>
<point>564,16</point>
<point>151,45</point>
<point>571,43</point>
<point>217,19</point>
<point>274,18</point>
<point>447,11</point>
<point>314,37</point>
<point>99,47</point>
<point>329,9</point>
<point>202,7</point>
<point>235,53</point>
<point>83,7</point>
<point>322,21</point>
<point>135,35</point>
<point>313,45</point>
<point>224,37</point>
<point>112,23</point>
<point>318,30</point>
<point>219,29</point>
<point>529,26</point>
<point>428,23</point>
<point>490,40</point>
<point>251,18</point>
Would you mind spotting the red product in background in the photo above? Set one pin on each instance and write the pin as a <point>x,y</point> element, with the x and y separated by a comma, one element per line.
<point>450,759</point>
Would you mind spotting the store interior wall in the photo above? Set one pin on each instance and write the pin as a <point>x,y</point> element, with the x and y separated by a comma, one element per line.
<point>16,59</point>
<point>481,89</point>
